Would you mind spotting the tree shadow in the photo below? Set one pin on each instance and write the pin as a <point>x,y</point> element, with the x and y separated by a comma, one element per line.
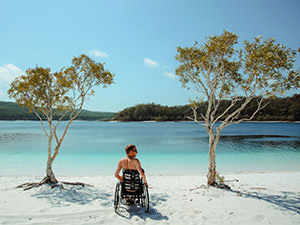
<point>137,210</point>
<point>72,194</point>
<point>289,201</point>
<point>83,195</point>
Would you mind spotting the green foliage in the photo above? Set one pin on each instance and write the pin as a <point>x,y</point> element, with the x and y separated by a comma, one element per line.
<point>90,115</point>
<point>61,93</point>
<point>269,65</point>
<point>210,66</point>
<point>154,112</point>
<point>220,73</point>
<point>219,178</point>
<point>225,76</point>
<point>12,111</point>
<point>278,109</point>
<point>58,96</point>
<point>216,69</point>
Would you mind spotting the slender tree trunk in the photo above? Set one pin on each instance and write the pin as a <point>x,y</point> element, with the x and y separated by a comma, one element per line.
<point>211,176</point>
<point>50,175</point>
<point>213,142</point>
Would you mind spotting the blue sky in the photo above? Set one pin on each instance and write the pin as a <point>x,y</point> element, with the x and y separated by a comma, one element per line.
<point>137,39</point>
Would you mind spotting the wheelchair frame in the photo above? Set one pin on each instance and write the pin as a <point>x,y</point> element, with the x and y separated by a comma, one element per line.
<point>141,196</point>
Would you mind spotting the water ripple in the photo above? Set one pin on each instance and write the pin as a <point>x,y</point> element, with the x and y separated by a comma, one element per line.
<point>19,137</point>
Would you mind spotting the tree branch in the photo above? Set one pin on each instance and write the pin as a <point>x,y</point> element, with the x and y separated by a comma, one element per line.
<point>41,120</point>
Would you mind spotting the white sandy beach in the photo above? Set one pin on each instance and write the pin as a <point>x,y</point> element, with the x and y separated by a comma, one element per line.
<point>258,198</point>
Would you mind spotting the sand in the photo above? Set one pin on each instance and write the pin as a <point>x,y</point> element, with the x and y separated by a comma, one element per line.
<point>258,198</point>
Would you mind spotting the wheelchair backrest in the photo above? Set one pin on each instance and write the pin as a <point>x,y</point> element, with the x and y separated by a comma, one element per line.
<point>131,180</point>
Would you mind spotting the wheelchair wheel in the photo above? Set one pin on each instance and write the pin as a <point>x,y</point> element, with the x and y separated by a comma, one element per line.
<point>117,199</point>
<point>145,198</point>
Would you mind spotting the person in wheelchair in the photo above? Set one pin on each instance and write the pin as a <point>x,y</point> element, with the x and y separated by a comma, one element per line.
<point>131,187</point>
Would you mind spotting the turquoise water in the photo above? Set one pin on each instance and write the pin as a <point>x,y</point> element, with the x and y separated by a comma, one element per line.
<point>94,148</point>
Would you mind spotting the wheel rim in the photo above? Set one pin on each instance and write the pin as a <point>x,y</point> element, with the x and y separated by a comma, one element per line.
<point>117,197</point>
<point>146,198</point>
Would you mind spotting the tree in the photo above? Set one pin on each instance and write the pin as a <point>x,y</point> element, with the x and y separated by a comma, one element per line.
<point>60,95</point>
<point>217,71</point>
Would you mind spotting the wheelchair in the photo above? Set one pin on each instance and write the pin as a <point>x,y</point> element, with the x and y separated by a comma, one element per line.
<point>132,187</point>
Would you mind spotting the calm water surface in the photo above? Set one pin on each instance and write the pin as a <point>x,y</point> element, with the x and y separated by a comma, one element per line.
<point>92,148</point>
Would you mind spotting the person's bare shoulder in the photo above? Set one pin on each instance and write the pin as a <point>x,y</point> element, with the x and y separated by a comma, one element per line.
<point>122,160</point>
<point>136,161</point>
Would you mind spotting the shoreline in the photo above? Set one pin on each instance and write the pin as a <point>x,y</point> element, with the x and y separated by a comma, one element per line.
<point>279,171</point>
<point>154,121</point>
<point>187,121</point>
<point>257,198</point>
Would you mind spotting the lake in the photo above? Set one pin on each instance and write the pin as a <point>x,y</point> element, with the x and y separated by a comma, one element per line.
<point>94,148</point>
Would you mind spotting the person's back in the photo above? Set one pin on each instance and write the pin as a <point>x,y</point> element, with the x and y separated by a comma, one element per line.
<point>129,163</point>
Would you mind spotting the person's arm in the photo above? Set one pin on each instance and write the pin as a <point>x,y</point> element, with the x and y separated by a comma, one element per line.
<point>139,168</point>
<point>117,173</point>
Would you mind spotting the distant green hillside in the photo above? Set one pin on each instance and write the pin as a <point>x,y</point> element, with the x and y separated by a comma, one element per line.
<point>12,111</point>
<point>278,109</point>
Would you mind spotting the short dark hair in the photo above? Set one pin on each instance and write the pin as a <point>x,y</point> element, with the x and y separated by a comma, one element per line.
<point>129,148</point>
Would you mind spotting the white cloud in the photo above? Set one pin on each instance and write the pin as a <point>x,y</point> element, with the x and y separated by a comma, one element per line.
<point>98,54</point>
<point>150,63</point>
<point>8,73</point>
<point>171,75</point>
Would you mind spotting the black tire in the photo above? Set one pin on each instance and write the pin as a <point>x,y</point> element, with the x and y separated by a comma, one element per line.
<point>117,199</point>
<point>145,198</point>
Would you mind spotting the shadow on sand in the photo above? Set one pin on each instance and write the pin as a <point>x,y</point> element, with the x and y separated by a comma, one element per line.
<point>79,195</point>
<point>71,194</point>
<point>137,210</point>
<point>289,201</point>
